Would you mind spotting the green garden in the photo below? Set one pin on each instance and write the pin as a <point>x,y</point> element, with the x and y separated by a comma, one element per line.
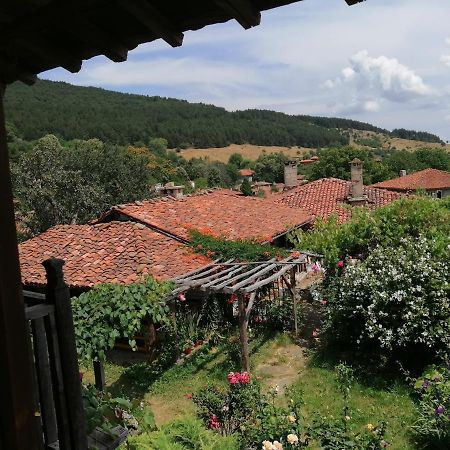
<point>369,368</point>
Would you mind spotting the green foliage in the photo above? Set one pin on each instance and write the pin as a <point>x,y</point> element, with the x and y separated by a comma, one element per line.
<point>385,226</point>
<point>433,407</point>
<point>237,160</point>
<point>423,158</point>
<point>74,112</point>
<point>158,146</point>
<point>270,167</point>
<point>415,135</point>
<point>246,188</point>
<point>183,434</point>
<point>241,249</point>
<point>103,410</point>
<point>111,311</point>
<point>57,185</point>
<point>397,299</point>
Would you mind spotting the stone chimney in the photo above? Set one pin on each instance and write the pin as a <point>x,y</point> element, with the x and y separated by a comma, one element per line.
<point>171,190</point>
<point>403,173</point>
<point>290,173</point>
<point>357,196</point>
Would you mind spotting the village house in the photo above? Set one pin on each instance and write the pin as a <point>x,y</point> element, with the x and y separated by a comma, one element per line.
<point>433,181</point>
<point>114,252</point>
<point>246,173</point>
<point>327,196</point>
<point>221,213</point>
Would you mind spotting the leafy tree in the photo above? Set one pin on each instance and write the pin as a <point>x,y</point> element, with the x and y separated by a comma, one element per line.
<point>246,188</point>
<point>236,159</point>
<point>158,146</point>
<point>73,184</point>
<point>270,167</point>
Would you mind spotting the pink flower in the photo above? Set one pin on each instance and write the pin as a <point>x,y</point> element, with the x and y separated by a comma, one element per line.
<point>233,378</point>
<point>189,396</point>
<point>324,302</point>
<point>295,254</point>
<point>244,378</point>
<point>182,297</point>
<point>340,264</point>
<point>315,268</point>
<point>214,422</point>
<point>315,333</point>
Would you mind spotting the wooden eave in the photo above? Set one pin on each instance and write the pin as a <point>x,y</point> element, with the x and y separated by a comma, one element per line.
<point>38,35</point>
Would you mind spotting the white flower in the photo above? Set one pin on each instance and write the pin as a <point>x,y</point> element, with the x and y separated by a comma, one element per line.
<point>292,439</point>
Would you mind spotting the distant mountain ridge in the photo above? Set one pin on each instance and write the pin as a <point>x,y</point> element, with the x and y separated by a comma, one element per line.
<point>76,112</point>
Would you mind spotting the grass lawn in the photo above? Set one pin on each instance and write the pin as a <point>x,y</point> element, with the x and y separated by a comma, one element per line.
<point>276,360</point>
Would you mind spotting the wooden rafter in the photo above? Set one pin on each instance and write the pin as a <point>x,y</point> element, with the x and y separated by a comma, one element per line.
<point>153,20</point>
<point>242,10</point>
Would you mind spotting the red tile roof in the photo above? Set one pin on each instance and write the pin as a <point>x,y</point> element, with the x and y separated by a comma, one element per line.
<point>246,172</point>
<point>328,196</point>
<point>114,252</point>
<point>219,213</point>
<point>428,179</point>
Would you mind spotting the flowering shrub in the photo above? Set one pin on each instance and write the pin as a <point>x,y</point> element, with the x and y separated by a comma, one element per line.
<point>397,298</point>
<point>433,407</point>
<point>243,409</point>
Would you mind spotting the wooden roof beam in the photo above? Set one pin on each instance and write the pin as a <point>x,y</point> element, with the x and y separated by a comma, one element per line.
<point>95,36</point>
<point>242,10</point>
<point>153,20</point>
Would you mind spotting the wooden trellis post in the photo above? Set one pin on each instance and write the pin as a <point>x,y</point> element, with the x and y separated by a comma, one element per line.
<point>294,299</point>
<point>244,316</point>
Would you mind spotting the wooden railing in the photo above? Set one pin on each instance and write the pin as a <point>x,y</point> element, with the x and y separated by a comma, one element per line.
<point>58,401</point>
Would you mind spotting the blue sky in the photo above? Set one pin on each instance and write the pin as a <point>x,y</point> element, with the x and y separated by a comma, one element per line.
<point>386,62</point>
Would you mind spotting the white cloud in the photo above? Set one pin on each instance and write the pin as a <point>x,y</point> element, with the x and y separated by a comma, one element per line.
<point>446,60</point>
<point>447,41</point>
<point>371,106</point>
<point>348,73</point>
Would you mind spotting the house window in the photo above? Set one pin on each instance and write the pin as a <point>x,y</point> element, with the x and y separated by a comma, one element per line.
<point>438,194</point>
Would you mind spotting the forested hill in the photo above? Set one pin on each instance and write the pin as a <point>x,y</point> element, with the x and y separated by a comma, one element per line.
<point>74,112</point>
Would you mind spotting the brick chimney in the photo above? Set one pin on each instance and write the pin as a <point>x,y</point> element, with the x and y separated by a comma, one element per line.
<point>357,196</point>
<point>171,190</point>
<point>290,173</point>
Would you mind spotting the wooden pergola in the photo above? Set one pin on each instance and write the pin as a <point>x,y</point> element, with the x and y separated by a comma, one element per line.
<point>38,35</point>
<point>245,280</point>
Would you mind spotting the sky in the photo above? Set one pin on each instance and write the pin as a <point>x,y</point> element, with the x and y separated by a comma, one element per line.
<point>386,62</point>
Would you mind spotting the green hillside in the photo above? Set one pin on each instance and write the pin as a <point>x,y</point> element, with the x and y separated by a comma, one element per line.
<point>74,112</point>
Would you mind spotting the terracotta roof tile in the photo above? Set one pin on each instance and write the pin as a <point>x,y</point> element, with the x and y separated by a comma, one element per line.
<point>428,179</point>
<point>328,196</point>
<point>119,252</point>
<point>246,172</point>
<point>219,213</point>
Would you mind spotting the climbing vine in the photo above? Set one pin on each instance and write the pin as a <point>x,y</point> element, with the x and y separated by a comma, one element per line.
<point>111,311</point>
<point>240,249</point>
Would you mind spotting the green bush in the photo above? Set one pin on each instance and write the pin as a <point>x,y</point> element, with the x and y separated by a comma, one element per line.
<point>397,299</point>
<point>185,434</point>
<point>433,407</point>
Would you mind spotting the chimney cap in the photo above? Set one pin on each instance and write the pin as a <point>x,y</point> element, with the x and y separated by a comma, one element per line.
<point>356,161</point>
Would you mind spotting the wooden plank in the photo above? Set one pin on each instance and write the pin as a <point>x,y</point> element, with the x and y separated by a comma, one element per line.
<point>37,311</point>
<point>263,271</point>
<point>218,287</point>
<point>268,280</point>
<point>34,295</point>
<point>243,335</point>
<point>59,398</point>
<point>226,277</point>
<point>43,372</point>
<point>294,300</point>
<point>200,273</point>
<point>193,272</point>
<point>99,375</point>
<point>19,429</point>
<point>58,294</point>
<point>199,281</point>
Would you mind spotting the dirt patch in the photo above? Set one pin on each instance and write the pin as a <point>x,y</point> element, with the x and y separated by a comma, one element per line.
<point>167,409</point>
<point>283,367</point>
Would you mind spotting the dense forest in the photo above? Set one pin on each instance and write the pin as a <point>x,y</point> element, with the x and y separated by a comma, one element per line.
<point>416,135</point>
<point>74,112</point>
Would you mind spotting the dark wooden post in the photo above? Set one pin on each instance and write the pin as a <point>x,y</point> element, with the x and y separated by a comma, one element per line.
<point>294,299</point>
<point>58,294</point>
<point>19,426</point>
<point>99,375</point>
<point>243,323</point>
